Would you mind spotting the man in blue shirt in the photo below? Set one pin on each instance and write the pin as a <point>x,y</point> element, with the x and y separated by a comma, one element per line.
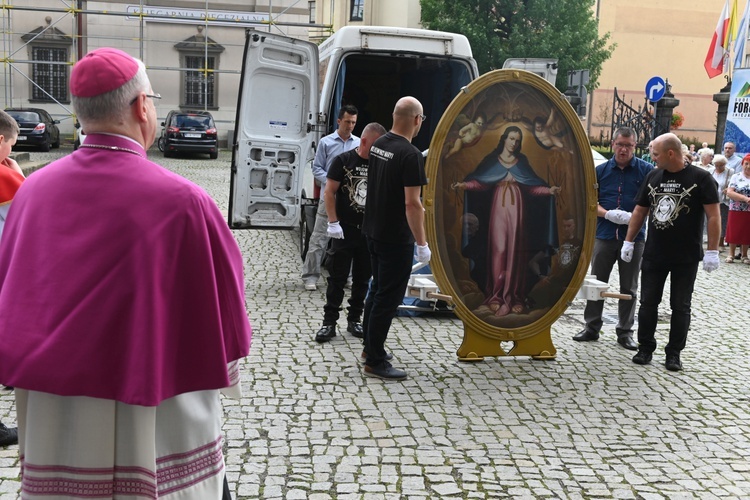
<point>329,148</point>
<point>619,180</point>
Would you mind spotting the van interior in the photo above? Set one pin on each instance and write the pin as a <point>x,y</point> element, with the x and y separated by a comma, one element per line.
<point>374,82</point>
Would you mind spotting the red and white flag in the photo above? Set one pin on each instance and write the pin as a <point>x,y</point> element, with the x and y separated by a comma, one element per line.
<point>720,41</point>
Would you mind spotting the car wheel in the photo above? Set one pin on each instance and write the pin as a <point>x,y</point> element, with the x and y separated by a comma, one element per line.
<point>160,143</point>
<point>45,147</point>
<point>213,155</point>
<point>56,144</point>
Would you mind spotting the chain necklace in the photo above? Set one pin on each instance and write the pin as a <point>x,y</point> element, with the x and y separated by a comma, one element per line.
<point>111,148</point>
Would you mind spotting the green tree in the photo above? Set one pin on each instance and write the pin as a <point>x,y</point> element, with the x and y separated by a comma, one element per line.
<point>500,29</point>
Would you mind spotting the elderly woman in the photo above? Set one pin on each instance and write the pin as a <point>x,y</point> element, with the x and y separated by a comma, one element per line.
<point>704,160</point>
<point>722,175</point>
<point>738,224</point>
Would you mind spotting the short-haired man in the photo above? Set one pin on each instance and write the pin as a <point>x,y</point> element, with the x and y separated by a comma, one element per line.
<point>329,148</point>
<point>394,220</point>
<point>734,160</point>
<point>122,312</point>
<point>618,180</point>
<point>676,196</point>
<point>345,197</point>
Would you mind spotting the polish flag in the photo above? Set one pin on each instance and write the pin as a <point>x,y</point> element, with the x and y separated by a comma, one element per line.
<point>719,43</point>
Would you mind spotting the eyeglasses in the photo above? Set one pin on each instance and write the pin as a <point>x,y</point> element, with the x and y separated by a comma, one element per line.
<point>152,96</point>
<point>623,145</point>
<point>423,117</point>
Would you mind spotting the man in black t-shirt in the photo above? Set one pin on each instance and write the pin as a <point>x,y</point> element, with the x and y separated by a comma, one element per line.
<point>345,195</point>
<point>394,219</point>
<point>675,197</point>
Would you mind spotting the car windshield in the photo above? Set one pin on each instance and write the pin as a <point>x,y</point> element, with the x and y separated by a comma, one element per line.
<point>24,116</point>
<point>192,121</point>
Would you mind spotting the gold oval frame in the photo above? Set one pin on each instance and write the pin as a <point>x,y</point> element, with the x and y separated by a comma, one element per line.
<point>434,162</point>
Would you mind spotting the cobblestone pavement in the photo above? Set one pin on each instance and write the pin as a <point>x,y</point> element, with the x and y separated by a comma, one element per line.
<point>589,424</point>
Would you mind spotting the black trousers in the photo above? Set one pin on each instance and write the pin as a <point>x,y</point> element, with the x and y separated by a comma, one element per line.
<point>344,254</point>
<point>227,495</point>
<point>653,278</point>
<point>391,268</point>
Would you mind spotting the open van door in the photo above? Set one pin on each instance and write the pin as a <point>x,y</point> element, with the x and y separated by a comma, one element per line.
<point>277,114</point>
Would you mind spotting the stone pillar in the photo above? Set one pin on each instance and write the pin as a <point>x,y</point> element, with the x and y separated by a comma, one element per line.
<point>664,111</point>
<point>722,99</point>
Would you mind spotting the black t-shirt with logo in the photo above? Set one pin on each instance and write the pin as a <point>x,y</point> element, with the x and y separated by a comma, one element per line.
<point>395,163</point>
<point>675,224</point>
<point>350,170</point>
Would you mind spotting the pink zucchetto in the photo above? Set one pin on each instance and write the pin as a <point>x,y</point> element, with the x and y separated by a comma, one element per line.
<point>101,71</point>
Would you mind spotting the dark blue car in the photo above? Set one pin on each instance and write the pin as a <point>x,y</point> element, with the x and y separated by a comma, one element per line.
<point>38,129</point>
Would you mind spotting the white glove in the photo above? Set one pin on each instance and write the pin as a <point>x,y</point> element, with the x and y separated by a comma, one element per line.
<point>618,216</point>
<point>711,261</point>
<point>335,230</point>
<point>626,253</point>
<point>423,253</point>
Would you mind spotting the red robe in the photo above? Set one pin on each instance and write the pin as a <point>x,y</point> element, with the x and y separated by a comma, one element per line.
<point>118,280</point>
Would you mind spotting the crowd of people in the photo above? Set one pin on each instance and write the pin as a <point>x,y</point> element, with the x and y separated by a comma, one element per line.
<point>373,217</point>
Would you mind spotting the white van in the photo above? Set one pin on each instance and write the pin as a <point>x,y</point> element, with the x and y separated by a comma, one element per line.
<point>290,94</point>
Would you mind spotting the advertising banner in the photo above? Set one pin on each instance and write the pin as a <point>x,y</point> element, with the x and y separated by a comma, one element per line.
<point>738,114</point>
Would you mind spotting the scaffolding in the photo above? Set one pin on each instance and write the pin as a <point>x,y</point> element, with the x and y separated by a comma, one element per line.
<point>84,25</point>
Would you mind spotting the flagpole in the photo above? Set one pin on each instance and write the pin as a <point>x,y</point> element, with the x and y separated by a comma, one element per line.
<point>741,39</point>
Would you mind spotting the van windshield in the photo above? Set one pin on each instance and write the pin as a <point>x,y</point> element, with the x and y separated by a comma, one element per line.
<point>374,82</point>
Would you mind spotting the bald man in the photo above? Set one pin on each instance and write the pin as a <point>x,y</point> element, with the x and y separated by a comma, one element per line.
<point>393,222</point>
<point>676,196</point>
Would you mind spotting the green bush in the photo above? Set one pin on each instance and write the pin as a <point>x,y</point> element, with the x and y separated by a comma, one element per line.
<point>604,150</point>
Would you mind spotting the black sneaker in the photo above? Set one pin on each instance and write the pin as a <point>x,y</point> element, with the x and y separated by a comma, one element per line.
<point>325,334</point>
<point>384,371</point>
<point>355,328</point>
<point>642,358</point>
<point>8,436</point>
<point>673,363</point>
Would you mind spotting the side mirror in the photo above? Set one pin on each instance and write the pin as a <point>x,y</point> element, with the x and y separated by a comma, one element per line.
<point>163,123</point>
<point>55,121</point>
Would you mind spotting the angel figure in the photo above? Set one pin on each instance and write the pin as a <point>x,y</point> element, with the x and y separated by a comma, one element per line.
<point>543,131</point>
<point>469,134</point>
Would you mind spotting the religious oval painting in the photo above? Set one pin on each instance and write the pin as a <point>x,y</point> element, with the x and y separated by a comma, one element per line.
<point>510,201</point>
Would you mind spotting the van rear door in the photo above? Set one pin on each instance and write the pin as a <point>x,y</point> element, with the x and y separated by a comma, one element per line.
<point>276,120</point>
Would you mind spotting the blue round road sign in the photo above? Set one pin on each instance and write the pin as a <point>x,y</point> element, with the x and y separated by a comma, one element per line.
<point>655,88</point>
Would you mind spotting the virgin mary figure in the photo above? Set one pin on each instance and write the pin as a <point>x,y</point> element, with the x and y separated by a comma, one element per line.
<point>516,213</point>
